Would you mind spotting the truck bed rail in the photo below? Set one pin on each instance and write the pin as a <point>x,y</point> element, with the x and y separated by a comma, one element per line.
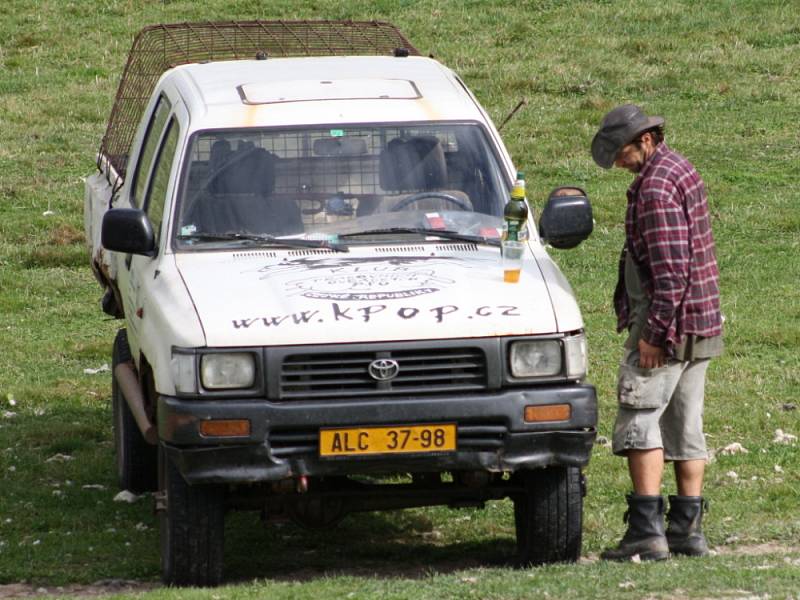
<point>157,48</point>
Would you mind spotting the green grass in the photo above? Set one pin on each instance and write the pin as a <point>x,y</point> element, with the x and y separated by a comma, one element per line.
<point>723,73</point>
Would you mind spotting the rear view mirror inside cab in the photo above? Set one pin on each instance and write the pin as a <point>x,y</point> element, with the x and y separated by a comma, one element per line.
<point>340,146</point>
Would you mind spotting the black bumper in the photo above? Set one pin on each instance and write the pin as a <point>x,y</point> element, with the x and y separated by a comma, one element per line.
<point>492,435</point>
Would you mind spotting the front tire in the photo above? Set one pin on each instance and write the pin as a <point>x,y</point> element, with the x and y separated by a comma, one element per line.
<point>137,461</point>
<point>549,516</point>
<point>192,527</point>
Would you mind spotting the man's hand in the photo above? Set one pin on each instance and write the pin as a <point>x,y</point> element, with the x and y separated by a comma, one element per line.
<point>650,357</point>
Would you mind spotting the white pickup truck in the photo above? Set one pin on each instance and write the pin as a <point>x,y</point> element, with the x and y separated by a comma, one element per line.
<point>304,252</point>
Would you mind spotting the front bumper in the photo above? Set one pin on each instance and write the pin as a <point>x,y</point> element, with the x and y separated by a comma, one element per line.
<point>492,435</point>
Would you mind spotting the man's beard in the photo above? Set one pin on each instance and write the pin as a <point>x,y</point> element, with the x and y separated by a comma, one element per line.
<point>636,167</point>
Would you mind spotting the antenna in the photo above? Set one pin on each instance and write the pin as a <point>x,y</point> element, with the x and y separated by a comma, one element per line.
<point>519,105</point>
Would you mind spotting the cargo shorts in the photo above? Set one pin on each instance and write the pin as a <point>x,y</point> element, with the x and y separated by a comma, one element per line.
<point>661,408</point>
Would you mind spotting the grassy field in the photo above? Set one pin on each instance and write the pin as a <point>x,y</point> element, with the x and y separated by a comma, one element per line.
<point>724,75</point>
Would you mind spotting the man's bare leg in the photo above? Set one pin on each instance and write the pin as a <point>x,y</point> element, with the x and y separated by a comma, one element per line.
<point>646,468</point>
<point>689,476</point>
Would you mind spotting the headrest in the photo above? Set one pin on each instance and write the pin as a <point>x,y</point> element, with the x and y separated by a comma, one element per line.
<point>413,164</point>
<point>247,170</point>
<point>220,153</point>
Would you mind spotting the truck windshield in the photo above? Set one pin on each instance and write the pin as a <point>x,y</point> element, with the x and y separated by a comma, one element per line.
<point>366,182</point>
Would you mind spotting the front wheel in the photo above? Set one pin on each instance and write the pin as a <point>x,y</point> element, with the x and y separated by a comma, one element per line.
<point>136,459</point>
<point>549,516</point>
<point>192,527</point>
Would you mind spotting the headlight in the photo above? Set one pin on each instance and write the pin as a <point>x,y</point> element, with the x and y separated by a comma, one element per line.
<point>539,358</point>
<point>227,370</point>
<point>575,350</point>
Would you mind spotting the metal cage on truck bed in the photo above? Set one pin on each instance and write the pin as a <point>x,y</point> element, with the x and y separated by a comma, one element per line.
<point>158,48</point>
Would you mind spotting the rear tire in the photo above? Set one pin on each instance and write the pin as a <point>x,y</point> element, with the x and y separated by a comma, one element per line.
<point>192,528</point>
<point>549,516</point>
<point>137,461</point>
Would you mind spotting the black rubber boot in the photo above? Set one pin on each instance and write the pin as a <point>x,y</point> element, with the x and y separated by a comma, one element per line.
<point>645,536</point>
<point>684,533</point>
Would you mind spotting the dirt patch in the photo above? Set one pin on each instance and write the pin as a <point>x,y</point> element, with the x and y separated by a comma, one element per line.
<point>723,594</point>
<point>64,235</point>
<point>757,549</point>
<point>94,590</point>
<point>726,550</point>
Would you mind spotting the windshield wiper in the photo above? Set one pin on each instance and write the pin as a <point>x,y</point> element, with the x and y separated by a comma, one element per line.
<point>443,233</point>
<point>257,238</point>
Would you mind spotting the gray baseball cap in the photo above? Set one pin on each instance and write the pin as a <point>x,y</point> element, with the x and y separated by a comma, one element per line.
<point>619,127</point>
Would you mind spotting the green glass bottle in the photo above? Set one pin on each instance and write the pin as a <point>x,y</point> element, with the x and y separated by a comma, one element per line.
<point>515,213</point>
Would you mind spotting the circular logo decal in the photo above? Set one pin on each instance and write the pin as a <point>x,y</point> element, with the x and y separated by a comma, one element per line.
<point>383,369</point>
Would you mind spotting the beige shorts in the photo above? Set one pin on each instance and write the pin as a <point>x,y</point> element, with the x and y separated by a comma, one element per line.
<point>661,408</point>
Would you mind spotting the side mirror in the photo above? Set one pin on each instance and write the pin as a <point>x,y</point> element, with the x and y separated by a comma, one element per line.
<point>128,230</point>
<point>567,218</point>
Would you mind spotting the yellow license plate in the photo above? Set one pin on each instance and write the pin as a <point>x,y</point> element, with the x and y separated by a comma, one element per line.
<point>387,440</point>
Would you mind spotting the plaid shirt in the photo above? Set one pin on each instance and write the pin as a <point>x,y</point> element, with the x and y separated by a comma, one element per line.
<point>668,233</point>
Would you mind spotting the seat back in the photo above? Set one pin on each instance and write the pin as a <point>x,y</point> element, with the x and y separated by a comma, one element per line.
<point>248,170</point>
<point>239,197</point>
<point>412,165</point>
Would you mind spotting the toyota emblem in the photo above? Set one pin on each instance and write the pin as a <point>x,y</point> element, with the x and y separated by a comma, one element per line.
<point>383,369</point>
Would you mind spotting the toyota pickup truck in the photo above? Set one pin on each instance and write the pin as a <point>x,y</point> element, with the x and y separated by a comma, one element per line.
<point>299,227</point>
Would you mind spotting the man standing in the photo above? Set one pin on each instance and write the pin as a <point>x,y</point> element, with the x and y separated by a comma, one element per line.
<point>667,297</point>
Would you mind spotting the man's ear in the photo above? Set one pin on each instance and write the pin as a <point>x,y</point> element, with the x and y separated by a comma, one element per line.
<point>647,138</point>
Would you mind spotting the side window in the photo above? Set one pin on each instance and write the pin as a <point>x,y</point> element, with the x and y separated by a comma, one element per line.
<point>157,191</point>
<point>151,137</point>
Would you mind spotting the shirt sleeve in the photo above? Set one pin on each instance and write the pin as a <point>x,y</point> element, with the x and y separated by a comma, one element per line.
<point>662,225</point>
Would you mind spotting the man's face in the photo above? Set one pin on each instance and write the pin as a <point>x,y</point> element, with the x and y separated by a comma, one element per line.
<point>633,156</point>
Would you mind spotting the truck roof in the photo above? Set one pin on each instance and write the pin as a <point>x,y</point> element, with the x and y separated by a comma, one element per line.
<point>323,90</point>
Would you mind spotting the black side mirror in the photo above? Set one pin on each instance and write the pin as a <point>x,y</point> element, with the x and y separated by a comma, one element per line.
<point>567,218</point>
<point>128,230</point>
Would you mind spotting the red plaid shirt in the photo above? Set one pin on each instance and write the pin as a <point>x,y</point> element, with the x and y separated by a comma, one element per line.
<point>668,233</point>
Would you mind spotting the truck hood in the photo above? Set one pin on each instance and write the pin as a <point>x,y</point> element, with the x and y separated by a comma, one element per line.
<point>266,297</point>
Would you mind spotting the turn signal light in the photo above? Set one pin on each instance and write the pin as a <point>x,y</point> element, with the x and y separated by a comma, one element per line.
<point>225,428</point>
<point>548,412</point>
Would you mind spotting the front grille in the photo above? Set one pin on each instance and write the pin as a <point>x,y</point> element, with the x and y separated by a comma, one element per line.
<point>345,375</point>
<point>293,442</point>
<point>484,436</point>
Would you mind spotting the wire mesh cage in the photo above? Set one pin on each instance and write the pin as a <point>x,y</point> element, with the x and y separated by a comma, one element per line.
<point>160,47</point>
